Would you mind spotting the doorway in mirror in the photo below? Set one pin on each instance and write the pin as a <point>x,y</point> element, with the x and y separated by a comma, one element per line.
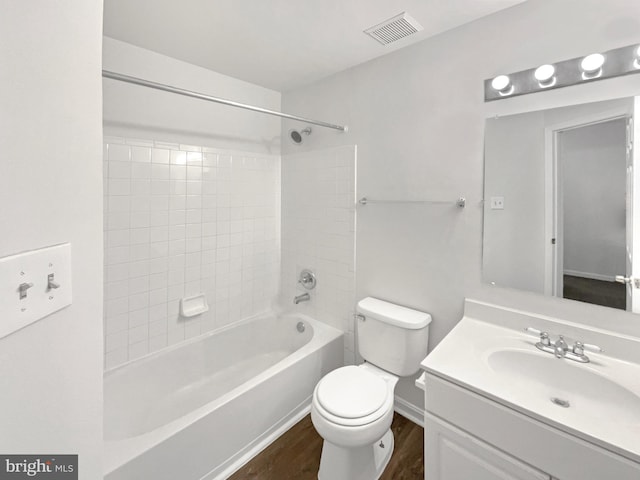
<point>590,170</point>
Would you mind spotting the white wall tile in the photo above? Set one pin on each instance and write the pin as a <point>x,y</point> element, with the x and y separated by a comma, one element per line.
<point>141,171</point>
<point>117,340</point>
<point>118,254</point>
<point>318,232</point>
<point>194,157</point>
<point>138,317</point>
<point>160,155</point>
<point>119,153</point>
<point>180,222</point>
<point>158,313</point>
<point>141,154</point>
<point>138,350</point>
<point>140,187</point>
<point>138,285</point>
<point>158,327</point>
<point>118,204</point>
<point>157,219</point>
<point>119,169</point>
<point>158,342</point>
<point>160,172</point>
<point>116,324</point>
<point>178,158</point>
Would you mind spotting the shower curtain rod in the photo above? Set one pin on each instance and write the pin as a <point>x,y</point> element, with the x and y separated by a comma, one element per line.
<point>188,93</point>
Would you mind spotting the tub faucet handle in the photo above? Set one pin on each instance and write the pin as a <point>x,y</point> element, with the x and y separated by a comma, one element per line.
<point>307,279</point>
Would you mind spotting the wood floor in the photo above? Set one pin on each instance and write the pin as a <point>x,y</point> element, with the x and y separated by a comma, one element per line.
<point>296,454</point>
<point>609,294</point>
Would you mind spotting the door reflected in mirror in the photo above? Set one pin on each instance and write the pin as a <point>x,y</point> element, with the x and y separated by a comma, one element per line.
<point>559,203</point>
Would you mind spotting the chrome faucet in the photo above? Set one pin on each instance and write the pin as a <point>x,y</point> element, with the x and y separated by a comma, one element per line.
<point>305,297</point>
<point>560,348</point>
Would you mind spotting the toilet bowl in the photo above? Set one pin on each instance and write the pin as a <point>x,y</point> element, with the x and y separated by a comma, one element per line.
<point>352,407</point>
<point>352,410</point>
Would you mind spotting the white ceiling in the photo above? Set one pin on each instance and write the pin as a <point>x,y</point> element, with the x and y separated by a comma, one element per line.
<point>279,44</point>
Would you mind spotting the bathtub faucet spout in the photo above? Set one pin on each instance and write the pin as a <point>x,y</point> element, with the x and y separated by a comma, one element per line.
<point>305,297</point>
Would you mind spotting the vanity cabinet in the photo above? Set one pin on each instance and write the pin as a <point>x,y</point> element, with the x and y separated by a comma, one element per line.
<point>470,436</point>
<point>452,454</point>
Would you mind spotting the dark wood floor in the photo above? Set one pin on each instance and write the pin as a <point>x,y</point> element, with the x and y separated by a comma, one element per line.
<point>609,294</point>
<point>296,454</point>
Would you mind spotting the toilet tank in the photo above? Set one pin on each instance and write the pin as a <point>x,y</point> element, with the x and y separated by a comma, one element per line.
<point>391,336</point>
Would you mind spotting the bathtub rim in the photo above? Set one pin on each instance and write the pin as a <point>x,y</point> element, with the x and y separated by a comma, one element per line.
<point>184,343</point>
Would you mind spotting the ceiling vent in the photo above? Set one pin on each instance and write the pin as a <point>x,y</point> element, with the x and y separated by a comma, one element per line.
<point>394,29</point>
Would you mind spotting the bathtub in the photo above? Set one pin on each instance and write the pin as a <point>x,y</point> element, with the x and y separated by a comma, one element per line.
<point>201,409</point>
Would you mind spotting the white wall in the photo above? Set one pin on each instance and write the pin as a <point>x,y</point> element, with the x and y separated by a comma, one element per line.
<point>134,111</point>
<point>593,162</point>
<point>513,238</point>
<point>51,192</point>
<point>417,116</point>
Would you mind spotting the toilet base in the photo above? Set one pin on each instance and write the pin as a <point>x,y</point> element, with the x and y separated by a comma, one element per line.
<point>360,463</point>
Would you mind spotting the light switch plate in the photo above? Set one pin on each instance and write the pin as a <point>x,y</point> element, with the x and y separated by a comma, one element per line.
<point>497,203</point>
<point>40,298</point>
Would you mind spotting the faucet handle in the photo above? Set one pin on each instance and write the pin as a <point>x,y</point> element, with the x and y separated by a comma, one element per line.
<point>592,348</point>
<point>544,336</point>
<point>579,348</point>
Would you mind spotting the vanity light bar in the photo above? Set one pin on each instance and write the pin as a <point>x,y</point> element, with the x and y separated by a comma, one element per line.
<point>596,66</point>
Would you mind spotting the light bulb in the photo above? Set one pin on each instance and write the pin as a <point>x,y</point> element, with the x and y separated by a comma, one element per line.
<point>591,65</point>
<point>544,75</point>
<point>502,84</point>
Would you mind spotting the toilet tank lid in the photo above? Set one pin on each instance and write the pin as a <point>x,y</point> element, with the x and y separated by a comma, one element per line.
<point>393,314</point>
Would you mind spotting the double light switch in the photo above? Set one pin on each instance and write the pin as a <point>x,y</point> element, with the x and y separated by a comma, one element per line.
<point>33,285</point>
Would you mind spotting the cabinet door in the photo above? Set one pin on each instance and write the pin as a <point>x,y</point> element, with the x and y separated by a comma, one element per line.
<point>452,454</point>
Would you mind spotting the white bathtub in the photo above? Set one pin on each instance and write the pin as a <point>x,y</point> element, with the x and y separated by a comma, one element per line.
<point>201,409</point>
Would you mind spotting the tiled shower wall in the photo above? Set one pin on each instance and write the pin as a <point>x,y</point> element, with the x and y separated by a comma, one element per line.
<point>182,220</point>
<point>318,232</point>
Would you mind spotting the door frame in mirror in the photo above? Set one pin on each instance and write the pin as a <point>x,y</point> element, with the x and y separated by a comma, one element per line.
<point>553,208</point>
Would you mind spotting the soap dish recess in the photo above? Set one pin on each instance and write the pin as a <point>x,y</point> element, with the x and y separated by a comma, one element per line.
<point>192,306</point>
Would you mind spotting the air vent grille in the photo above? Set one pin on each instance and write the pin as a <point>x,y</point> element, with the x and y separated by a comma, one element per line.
<point>394,29</point>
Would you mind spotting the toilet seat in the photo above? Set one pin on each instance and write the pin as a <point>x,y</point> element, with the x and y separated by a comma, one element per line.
<point>352,396</point>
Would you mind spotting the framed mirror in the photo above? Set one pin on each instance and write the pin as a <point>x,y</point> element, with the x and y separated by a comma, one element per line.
<point>559,203</point>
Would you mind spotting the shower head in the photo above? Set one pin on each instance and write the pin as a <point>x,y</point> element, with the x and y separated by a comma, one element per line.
<point>296,136</point>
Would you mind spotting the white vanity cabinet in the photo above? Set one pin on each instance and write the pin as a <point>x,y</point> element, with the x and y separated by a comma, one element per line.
<point>471,437</point>
<point>452,454</point>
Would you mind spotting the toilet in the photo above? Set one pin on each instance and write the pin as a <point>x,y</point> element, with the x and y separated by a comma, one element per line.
<point>352,406</point>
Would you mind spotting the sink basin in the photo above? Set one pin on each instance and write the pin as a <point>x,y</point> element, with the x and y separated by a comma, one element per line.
<point>561,383</point>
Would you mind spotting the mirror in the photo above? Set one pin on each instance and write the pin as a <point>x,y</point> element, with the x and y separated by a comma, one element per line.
<point>558,203</point>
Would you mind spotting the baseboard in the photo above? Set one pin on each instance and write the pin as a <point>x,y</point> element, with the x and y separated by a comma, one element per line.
<point>243,457</point>
<point>592,276</point>
<point>409,410</point>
